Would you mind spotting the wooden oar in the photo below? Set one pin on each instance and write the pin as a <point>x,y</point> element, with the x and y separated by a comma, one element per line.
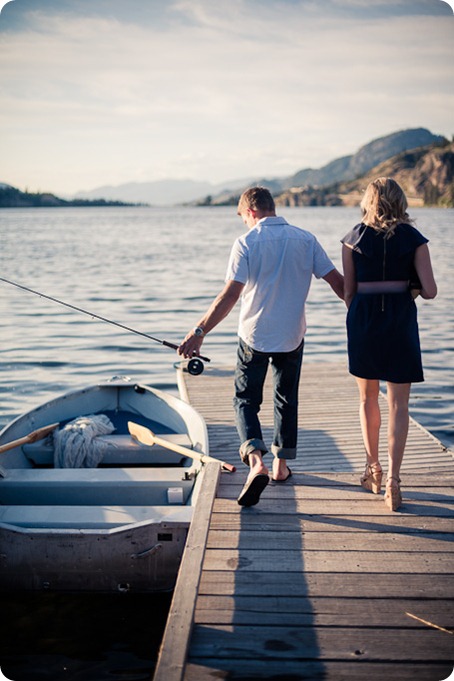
<point>146,437</point>
<point>31,437</point>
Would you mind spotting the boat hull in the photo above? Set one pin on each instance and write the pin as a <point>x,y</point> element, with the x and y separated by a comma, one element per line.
<point>141,558</point>
<point>120,526</point>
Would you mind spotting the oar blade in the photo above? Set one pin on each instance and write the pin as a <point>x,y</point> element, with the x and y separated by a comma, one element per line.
<point>143,435</point>
<point>41,433</point>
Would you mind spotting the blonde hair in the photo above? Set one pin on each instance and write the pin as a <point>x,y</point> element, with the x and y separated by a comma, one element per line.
<point>384,206</point>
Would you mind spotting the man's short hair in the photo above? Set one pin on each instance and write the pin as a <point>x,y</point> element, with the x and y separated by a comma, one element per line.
<point>257,198</point>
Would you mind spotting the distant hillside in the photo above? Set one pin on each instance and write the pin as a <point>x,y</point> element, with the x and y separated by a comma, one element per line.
<point>425,174</point>
<point>171,192</point>
<point>161,192</point>
<point>315,184</point>
<point>366,158</point>
<point>10,197</point>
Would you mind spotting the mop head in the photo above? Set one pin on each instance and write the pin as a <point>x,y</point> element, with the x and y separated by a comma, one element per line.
<point>76,445</point>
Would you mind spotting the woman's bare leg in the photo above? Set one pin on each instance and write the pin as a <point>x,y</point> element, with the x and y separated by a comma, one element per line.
<point>370,417</point>
<point>398,396</point>
<point>369,413</point>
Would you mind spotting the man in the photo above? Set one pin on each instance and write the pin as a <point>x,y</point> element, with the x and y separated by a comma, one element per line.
<point>271,267</point>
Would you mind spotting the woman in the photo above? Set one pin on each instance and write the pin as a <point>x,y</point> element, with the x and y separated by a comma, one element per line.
<point>386,265</point>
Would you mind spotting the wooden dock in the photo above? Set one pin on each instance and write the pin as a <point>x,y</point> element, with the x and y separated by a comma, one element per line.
<point>319,580</point>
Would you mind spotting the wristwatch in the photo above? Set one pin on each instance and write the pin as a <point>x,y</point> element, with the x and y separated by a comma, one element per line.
<point>198,331</point>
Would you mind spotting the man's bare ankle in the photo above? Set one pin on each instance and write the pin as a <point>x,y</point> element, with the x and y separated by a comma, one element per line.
<point>256,462</point>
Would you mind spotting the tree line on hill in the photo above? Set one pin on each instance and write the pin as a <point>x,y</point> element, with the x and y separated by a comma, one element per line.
<point>10,197</point>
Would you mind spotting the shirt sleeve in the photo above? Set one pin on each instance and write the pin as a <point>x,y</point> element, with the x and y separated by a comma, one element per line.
<point>322,264</point>
<point>238,267</point>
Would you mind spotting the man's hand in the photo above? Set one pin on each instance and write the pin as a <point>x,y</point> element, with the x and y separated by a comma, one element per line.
<point>191,345</point>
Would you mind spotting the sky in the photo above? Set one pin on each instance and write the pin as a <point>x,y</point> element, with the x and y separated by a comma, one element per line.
<point>106,92</point>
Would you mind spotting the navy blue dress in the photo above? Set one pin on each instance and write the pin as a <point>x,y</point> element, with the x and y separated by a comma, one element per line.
<point>382,328</point>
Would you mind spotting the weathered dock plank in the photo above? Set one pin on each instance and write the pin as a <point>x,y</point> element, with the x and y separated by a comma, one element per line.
<point>332,643</point>
<point>372,506</point>
<point>320,523</point>
<point>308,670</point>
<point>320,580</point>
<point>285,611</point>
<point>351,560</point>
<point>281,540</point>
<point>314,585</point>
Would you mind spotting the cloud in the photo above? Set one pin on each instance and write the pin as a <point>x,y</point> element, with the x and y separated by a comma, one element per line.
<point>194,90</point>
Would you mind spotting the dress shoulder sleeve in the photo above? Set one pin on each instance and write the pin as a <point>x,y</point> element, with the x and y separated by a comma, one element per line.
<point>409,239</point>
<point>354,237</point>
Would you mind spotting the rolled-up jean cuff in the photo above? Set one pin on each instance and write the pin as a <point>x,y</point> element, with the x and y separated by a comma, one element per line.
<point>249,446</point>
<point>283,452</point>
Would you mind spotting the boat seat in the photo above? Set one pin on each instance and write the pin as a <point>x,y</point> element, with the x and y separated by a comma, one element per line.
<point>95,517</point>
<point>96,486</point>
<point>121,450</point>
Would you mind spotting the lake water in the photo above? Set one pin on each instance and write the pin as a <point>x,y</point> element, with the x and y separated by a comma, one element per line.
<point>155,270</point>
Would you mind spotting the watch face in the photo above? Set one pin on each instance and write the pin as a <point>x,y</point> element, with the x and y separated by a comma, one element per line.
<point>198,331</point>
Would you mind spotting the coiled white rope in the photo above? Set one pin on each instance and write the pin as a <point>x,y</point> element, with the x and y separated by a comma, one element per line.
<point>76,444</point>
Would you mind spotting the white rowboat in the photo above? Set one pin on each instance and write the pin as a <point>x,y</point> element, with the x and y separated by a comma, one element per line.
<point>119,526</point>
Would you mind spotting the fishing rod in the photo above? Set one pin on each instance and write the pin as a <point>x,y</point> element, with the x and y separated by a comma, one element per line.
<point>195,365</point>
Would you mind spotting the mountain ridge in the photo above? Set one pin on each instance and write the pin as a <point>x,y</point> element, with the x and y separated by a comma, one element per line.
<point>171,192</point>
<point>410,155</point>
<point>425,174</point>
<point>367,157</point>
<point>160,192</point>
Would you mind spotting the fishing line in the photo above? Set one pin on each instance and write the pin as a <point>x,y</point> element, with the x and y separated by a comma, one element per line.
<point>195,366</point>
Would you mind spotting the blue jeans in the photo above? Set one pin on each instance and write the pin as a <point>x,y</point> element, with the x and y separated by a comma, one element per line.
<point>250,376</point>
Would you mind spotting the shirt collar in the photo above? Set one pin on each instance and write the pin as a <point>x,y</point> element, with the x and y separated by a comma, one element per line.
<point>272,220</point>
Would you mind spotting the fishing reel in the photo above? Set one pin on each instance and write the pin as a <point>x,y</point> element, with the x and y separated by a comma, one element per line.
<point>195,366</point>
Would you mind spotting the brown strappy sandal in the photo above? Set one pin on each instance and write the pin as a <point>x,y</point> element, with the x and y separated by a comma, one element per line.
<point>393,495</point>
<point>371,480</point>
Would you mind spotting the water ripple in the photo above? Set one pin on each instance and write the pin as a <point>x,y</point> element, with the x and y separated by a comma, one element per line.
<point>162,289</point>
